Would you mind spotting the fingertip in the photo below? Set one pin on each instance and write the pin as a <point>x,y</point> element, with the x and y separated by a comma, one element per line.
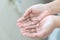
<point>27,13</point>
<point>19,20</point>
<point>20,25</point>
<point>22,30</point>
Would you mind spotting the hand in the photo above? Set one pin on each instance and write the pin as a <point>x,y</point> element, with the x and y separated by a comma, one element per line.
<point>44,28</point>
<point>33,15</point>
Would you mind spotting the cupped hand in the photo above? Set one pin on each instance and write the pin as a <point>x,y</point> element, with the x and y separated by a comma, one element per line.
<point>32,18</point>
<point>33,15</point>
<point>41,30</point>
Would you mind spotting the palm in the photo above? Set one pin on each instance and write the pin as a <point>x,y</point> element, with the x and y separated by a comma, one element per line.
<point>33,15</point>
<point>31,20</point>
<point>43,29</point>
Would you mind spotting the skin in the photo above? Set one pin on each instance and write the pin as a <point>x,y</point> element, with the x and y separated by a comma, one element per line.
<point>44,29</point>
<point>38,21</point>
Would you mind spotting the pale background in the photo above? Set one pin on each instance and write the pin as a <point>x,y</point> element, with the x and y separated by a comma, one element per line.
<point>9,16</point>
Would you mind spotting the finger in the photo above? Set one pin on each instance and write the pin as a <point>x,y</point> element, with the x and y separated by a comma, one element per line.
<point>22,19</point>
<point>20,25</point>
<point>22,30</point>
<point>23,25</point>
<point>27,13</point>
<point>25,16</point>
<point>32,27</point>
<point>27,33</point>
<point>32,35</point>
<point>28,25</point>
<point>29,30</point>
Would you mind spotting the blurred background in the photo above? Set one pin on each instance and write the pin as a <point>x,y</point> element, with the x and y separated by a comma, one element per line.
<point>10,11</point>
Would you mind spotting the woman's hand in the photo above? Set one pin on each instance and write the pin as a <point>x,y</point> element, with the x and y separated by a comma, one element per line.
<point>36,23</point>
<point>33,15</point>
<point>42,29</point>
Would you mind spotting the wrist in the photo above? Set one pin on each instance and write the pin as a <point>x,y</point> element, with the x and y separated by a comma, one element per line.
<point>53,7</point>
<point>57,21</point>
